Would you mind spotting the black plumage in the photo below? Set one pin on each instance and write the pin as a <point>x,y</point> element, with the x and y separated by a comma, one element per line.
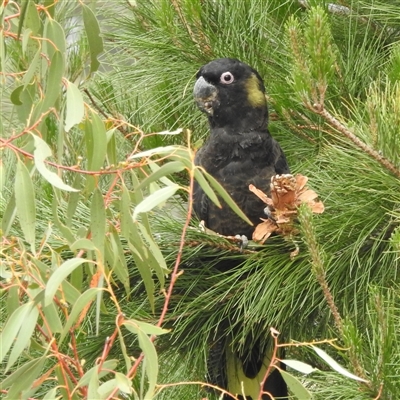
<point>239,151</point>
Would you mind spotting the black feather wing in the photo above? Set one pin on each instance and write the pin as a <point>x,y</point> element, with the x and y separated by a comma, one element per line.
<point>235,166</point>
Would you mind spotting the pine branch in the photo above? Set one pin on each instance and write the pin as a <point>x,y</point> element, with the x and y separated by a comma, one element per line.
<point>319,109</point>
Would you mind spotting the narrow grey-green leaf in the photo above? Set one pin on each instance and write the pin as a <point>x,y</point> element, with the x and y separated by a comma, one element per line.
<point>22,378</point>
<point>41,152</point>
<point>25,203</point>
<point>156,151</point>
<point>96,142</point>
<point>134,326</point>
<point>33,66</point>
<point>51,394</point>
<point>151,364</point>
<point>71,292</point>
<point>335,365</point>
<point>155,199</point>
<point>299,366</point>
<point>32,19</point>
<point>73,200</point>
<point>14,96</point>
<point>123,382</point>
<point>119,267</point>
<point>92,29</point>
<point>160,266</point>
<point>24,7</point>
<point>93,384</point>
<point>13,325</point>
<point>52,318</point>
<point>67,232</point>
<point>55,33</point>
<point>24,336</point>
<point>3,174</point>
<point>59,275</point>
<point>226,197</point>
<point>75,107</point>
<point>54,82</point>
<point>108,366</point>
<point>83,300</point>
<point>83,243</point>
<point>295,386</point>
<point>8,215</point>
<point>206,187</point>
<point>106,388</point>
<point>98,221</point>
<point>166,169</point>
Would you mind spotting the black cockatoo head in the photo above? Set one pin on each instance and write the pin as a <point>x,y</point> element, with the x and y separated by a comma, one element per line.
<point>231,93</point>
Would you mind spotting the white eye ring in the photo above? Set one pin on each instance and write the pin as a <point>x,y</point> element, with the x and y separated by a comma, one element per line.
<point>227,78</point>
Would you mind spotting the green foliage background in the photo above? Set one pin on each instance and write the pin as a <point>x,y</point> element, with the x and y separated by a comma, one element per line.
<point>332,73</point>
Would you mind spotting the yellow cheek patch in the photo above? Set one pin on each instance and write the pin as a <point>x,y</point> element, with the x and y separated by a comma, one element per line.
<point>255,96</point>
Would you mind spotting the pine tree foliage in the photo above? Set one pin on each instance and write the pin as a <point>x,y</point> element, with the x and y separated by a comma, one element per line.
<point>332,73</point>
<point>314,56</point>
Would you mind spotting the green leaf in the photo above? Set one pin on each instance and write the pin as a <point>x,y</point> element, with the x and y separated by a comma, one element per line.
<point>24,8</point>
<point>41,152</point>
<point>206,187</point>
<point>135,326</point>
<point>108,366</point>
<point>83,300</point>
<point>14,96</point>
<point>160,151</point>
<point>9,215</point>
<point>335,366</point>
<point>54,80</point>
<point>119,266</point>
<point>151,362</point>
<point>3,175</point>
<point>58,277</point>
<point>123,382</point>
<point>96,142</point>
<point>166,169</point>
<point>107,388</point>
<point>52,318</point>
<point>112,154</point>
<point>10,331</point>
<point>53,83</point>
<point>71,292</point>
<point>22,378</point>
<point>51,394</point>
<point>225,196</point>
<point>296,386</point>
<point>56,35</point>
<point>33,67</point>
<point>92,392</point>
<point>32,19</point>
<point>73,200</point>
<point>67,233</point>
<point>25,40</point>
<point>98,221</point>
<point>159,264</point>
<point>24,336</point>
<point>83,243</point>
<point>25,203</point>
<point>92,29</point>
<point>155,199</point>
<point>299,366</point>
<point>75,106</point>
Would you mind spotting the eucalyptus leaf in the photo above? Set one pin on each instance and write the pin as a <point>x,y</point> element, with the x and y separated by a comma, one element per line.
<point>59,275</point>
<point>75,107</point>
<point>41,152</point>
